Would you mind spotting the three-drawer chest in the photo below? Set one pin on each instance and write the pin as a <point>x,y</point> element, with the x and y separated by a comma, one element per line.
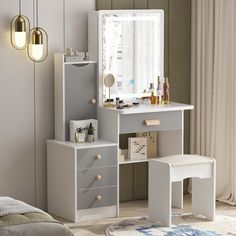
<point>82,180</point>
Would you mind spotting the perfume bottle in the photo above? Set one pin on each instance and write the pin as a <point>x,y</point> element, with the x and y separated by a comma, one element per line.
<point>159,91</point>
<point>117,102</point>
<point>166,94</point>
<point>90,136</point>
<point>152,97</point>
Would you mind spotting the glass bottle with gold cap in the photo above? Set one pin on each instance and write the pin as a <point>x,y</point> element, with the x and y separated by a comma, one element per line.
<point>166,93</point>
<point>159,91</point>
<point>152,97</point>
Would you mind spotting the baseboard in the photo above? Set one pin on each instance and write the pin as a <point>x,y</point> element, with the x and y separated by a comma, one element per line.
<point>96,213</point>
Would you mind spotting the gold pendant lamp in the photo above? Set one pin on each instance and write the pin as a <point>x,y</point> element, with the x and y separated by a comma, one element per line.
<point>20,26</point>
<point>38,42</point>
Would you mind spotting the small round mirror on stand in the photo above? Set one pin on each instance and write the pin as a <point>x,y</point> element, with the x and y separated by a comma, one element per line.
<point>109,81</point>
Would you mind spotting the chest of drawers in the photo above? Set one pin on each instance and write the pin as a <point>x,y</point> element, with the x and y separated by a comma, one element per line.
<point>82,180</point>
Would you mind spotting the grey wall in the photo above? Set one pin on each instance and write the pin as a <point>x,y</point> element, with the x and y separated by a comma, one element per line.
<point>27,94</point>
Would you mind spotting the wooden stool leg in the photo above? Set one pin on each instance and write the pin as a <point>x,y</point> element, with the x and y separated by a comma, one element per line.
<point>203,196</point>
<point>177,194</point>
<point>159,202</point>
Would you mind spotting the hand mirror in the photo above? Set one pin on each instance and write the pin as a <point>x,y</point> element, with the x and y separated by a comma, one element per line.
<point>109,81</point>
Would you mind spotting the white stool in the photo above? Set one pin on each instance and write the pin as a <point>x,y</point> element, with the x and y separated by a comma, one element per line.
<point>174,169</point>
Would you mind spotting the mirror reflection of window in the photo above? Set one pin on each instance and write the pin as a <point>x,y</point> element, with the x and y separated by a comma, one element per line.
<point>132,51</point>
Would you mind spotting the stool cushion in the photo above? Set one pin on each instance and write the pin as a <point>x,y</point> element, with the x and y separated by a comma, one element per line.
<point>185,160</point>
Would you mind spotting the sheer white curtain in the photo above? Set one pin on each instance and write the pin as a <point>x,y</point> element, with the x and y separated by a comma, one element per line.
<point>213,89</point>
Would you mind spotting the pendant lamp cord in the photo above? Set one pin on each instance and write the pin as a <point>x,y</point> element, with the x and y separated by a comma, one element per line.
<point>20,7</point>
<point>37,13</point>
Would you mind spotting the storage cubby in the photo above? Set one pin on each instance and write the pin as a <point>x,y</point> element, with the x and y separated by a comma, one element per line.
<point>133,182</point>
<point>134,174</point>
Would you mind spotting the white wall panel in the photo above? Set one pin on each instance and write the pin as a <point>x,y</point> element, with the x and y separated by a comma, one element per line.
<point>17,166</point>
<point>76,14</point>
<point>23,165</point>
<point>51,19</point>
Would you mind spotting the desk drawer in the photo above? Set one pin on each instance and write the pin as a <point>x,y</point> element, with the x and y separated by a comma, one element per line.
<point>100,197</point>
<point>96,157</point>
<point>97,177</point>
<point>156,121</point>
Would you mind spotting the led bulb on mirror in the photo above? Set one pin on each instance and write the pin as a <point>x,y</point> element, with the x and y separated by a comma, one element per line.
<point>20,39</point>
<point>37,51</point>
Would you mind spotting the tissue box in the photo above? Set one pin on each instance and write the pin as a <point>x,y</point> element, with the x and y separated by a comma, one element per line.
<point>75,124</point>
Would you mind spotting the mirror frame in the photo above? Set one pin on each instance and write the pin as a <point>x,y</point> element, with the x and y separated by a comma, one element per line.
<point>100,46</point>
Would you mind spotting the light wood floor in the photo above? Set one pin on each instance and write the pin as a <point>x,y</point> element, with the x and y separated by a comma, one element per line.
<point>137,209</point>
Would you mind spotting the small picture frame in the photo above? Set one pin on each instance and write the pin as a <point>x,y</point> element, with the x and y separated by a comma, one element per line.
<point>137,148</point>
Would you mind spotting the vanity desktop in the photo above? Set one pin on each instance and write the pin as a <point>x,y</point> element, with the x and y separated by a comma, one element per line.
<point>83,178</point>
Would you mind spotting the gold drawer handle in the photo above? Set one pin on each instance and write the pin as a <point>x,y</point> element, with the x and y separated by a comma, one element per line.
<point>98,177</point>
<point>98,157</point>
<point>99,198</point>
<point>152,122</point>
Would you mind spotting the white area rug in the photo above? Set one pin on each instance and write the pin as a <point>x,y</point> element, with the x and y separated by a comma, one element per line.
<point>223,225</point>
<point>142,226</point>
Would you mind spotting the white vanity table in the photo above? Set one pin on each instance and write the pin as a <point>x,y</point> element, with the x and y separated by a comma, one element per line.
<point>115,122</point>
<point>83,179</point>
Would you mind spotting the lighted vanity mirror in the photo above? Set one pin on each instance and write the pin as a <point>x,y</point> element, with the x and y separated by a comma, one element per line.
<point>132,50</point>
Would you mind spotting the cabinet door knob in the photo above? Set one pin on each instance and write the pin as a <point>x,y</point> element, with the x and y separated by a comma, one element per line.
<point>93,101</point>
<point>98,157</point>
<point>99,198</point>
<point>98,177</point>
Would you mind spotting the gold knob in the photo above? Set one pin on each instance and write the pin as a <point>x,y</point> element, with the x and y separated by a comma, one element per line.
<point>98,177</point>
<point>93,101</point>
<point>99,198</point>
<point>98,157</point>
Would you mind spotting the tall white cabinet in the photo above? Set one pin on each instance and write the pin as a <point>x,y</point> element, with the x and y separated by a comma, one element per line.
<point>81,178</point>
